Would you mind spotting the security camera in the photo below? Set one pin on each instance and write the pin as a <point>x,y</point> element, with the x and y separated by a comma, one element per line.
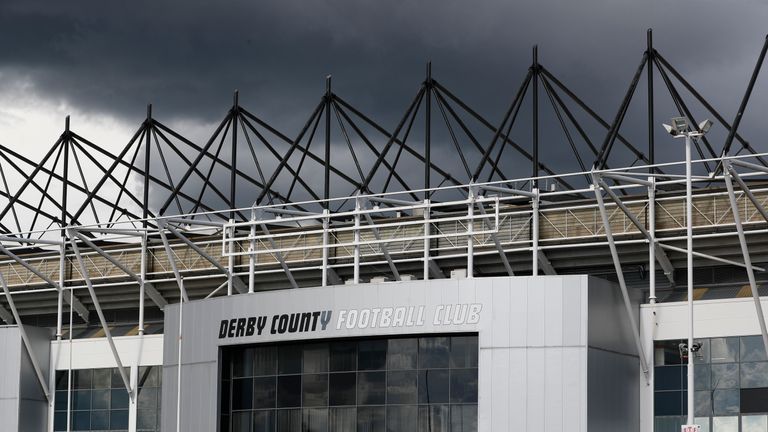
<point>696,347</point>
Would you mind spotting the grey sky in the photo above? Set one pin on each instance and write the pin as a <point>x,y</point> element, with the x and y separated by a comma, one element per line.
<point>104,61</point>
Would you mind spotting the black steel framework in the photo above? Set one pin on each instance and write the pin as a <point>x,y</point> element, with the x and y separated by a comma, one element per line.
<point>160,172</point>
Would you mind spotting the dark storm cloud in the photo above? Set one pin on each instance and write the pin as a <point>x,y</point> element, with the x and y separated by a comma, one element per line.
<point>186,57</point>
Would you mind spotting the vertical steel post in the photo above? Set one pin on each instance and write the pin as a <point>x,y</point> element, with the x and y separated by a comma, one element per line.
<point>233,172</point>
<point>426,239</point>
<point>324,270</point>
<point>651,143</point>
<point>535,233</point>
<point>327,159</point>
<point>231,258</point>
<point>62,278</point>
<point>535,89</point>
<point>147,151</point>
<point>133,403</point>
<point>652,240</point>
<point>178,365</point>
<point>470,232</point>
<point>428,130</point>
<point>689,254</point>
<point>63,249</point>
<point>145,215</point>
<point>252,255</point>
<point>142,279</point>
<point>356,274</point>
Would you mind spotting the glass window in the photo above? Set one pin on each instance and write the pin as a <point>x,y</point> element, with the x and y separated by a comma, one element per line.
<point>754,423</point>
<point>288,391</point>
<point>371,388</point>
<point>401,387</point>
<point>402,384</point>
<point>463,385</point>
<point>241,421</point>
<point>463,418</point>
<point>342,388</point>
<point>703,403</point>
<point>725,375</point>
<point>265,361</point>
<point>242,394</point>
<point>402,418</point>
<point>752,349</point>
<point>703,355</point>
<point>725,424</point>
<point>724,350</point>
<point>242,363</point>
<point>315,390</point>
<point>371,419</point>
<point>100,420</point>
<point>102,378</point>
<point>315,420</point>
<point>701,377</point>
<point>372,354</point>
<point>289,420</point>
<point>668,423</point>
<point>264,421</point>
<point>316,358</point>
<point>464,352</point>
<point>670,403</point>
<point>342,419</point>
<point>754,400</point>
<point>401,354</point>
<point>725,402</point>
<point>754,375</point>
<point>434,418</point>
<point>433,386</point>
<point>434,352</point>
<point>669,377</point>
<point>289,359</point>
<point>118,419</point>
<point>343,356</point>
<point>264,392</point>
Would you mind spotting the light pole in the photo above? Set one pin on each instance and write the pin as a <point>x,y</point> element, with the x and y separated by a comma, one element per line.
<point>680,129</point>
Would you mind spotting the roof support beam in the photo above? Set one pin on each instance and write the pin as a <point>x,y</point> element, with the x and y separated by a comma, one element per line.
<point>104,326</point>
<point>237,283</point>
<point>152,292</point>
<point>377,235</point>
<point>81,310</point>
<point>745,248</point>
<point>169,251</point>
<point>620,275</point>
<point>27,345</point>
<point>661,256</point>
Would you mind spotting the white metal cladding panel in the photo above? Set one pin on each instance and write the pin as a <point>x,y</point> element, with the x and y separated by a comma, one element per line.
<point>10,363</point>
<point>532,340</point>
<point>95,353</point>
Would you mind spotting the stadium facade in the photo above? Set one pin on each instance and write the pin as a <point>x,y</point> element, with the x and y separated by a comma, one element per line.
<point>307,290</point>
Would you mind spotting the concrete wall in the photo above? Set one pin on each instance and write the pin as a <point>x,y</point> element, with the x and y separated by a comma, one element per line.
<point>533,339</point>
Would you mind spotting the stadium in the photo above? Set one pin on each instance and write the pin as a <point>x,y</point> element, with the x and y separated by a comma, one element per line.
<point>434,275</point>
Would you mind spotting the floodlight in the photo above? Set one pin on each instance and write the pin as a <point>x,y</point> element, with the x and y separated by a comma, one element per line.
<point>705,126</point>
<point>680,123</point>
<point>670,129</point>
